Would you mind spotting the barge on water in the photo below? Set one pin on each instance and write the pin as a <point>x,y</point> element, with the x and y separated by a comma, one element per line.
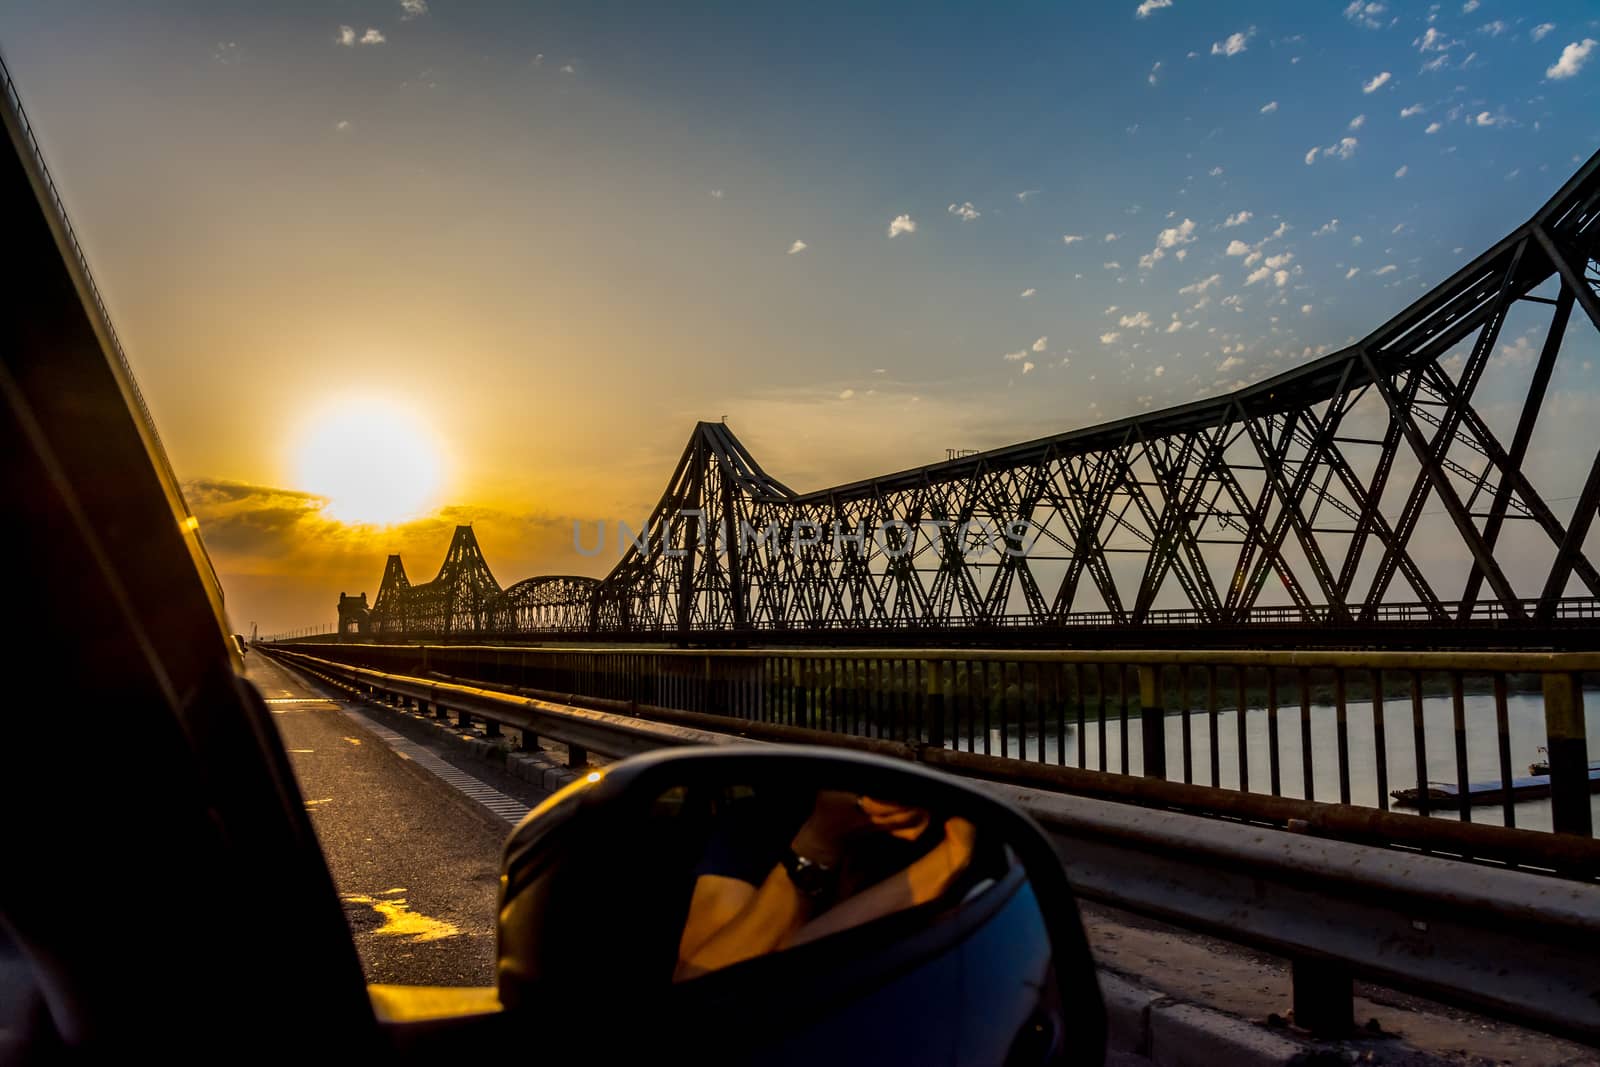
<point>1447,794</point>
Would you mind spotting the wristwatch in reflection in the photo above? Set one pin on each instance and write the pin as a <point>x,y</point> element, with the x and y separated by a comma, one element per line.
<point>811,878</point>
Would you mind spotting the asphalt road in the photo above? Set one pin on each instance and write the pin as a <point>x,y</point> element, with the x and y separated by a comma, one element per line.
<point>416,869</point>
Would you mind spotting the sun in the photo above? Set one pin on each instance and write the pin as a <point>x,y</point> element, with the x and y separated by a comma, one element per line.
<point>374,463</point>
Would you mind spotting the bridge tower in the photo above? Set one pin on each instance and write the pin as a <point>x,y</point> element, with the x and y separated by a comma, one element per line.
<point>353,616</point>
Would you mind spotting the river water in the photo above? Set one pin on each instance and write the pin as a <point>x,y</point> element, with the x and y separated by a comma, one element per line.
<point>1524,712</point>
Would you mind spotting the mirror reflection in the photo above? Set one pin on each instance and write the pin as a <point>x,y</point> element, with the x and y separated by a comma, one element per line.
<point>779,867</point>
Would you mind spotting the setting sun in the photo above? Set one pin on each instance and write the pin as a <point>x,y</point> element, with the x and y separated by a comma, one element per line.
<point>375,464</point>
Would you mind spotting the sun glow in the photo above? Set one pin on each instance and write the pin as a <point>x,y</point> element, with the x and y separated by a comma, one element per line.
<point>375,464</point>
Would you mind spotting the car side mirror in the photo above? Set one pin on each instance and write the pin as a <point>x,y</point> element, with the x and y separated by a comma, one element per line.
<point>788,904</point>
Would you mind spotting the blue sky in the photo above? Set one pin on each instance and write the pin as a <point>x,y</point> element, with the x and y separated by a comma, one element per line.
<point>556,235</point>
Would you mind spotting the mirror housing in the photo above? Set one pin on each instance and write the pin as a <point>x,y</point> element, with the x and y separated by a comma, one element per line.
<point>930,918</point>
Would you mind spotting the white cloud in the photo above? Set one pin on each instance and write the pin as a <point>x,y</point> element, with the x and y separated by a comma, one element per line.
<point>1145,9</point>
<point>1113,265</point>
<point>1238,218</point>
<point>1539,32</point>
<point>1573,57</point>
<point>1269,107</point>
<point>1174,326</point>
<point>1351,273</point>
<point>1109,338</point>
<point>1041,344</point>
<point>1139,320</point>
<point>1168,239</point>
<point>1388,268</point>
<point>847,394</point>
<point>1331,226</point>
<point>1470,6</point>
<point>342,124</point>
<point>1305,309</point>
<point>1363,14</point>
<point>1433,41</point>
<point>964,211</point>
<point>902,224</point>
<point>568,68</point>
<point>797,247</point>
<point>716,194</point>
<point>1401,173</point>
<point>1493,29</point>
<point>1257,275</point>
<point>1358,122</point>
<point>1282,259</point>
<point>1483,118</point>
<point>1237,247</point>
<point>1022,197</point>
<point>1151,78</point>
<point>373,37</point>
<point>1028,292</point>
<point>1414,109</point>
<point>1215,172</point>
<point>1378,82</point>
<point>1018,356</point>
<point>1201,286</point>
<point>1233,44</point>
<point>1228,364</point>
<point>1343,151</point>
<point>1160,370</point>
<point>1434,127</point>
<point>410,9</point>
<point>347,36</point>
<point>1311,155</point>
<point>1071,238</point>
<point>1112,237</point>
<point>1027,366</point>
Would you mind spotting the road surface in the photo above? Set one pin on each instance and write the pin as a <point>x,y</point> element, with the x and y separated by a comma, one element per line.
<point>416,867</point>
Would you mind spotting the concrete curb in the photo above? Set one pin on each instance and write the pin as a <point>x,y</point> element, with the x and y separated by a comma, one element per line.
<point>1169,1032</point>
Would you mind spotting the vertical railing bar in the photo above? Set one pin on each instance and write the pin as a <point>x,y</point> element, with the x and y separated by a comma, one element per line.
<point>1419,738</point>
<point>1503,729</point>
<point>1212,726</point>
<point>1240,728</point>
<point>1078,702</point>
<point>1380,741</point>
<point>1304,680</point>
<point>1188,741</point>
<point>1342,727</point>
<point>1458,709</point>
<point>1272,732</point>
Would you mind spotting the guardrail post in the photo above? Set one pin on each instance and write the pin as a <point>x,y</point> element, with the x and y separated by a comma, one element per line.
<point>577,757</point>
<point>1324,997</point>
<point>530,741</point>
<point>1152,721</point>
<point>464,718</point>
<point>491,728</point>
<point>1567,745</point>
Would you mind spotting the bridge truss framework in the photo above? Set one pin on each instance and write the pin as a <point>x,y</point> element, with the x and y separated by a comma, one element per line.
<point>1389,481</point>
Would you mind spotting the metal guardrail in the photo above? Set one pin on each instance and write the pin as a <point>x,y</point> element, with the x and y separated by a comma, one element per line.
<point>1250,723</point>
<point>1514,944</point>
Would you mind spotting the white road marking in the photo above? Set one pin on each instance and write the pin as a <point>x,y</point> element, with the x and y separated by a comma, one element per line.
<point>508,808</point>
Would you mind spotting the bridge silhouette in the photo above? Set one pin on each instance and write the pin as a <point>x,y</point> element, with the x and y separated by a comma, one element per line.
<point>1412,481</point>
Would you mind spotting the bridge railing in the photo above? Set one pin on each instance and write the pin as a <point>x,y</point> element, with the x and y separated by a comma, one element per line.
<point>1439,734</point>
<point>1514,944</point>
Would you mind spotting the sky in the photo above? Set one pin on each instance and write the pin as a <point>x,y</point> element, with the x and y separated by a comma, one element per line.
<point>503,256</point>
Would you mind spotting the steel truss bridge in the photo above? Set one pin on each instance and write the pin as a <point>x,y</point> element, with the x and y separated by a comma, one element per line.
<point>1422,477</point>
